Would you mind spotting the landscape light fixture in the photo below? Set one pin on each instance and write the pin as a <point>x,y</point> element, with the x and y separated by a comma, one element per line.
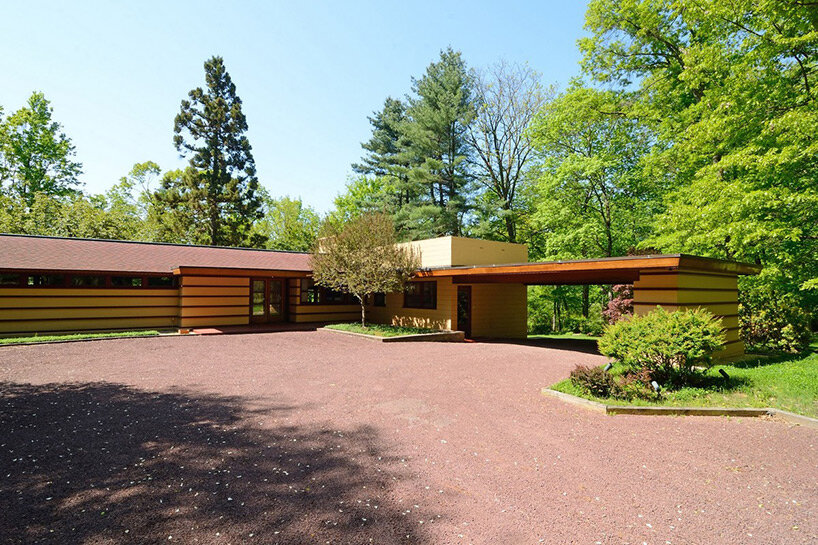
<point>607,366</point>
<point>656,386</point>
<point>723,373</point>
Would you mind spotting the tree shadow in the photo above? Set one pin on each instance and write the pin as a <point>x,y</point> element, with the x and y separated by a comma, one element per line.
<point>586,346</point>
<point>770,358</point>
<point>101,462</point>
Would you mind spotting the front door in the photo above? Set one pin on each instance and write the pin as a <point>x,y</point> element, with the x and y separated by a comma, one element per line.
<point>464,310</point>
<point>266,300</point>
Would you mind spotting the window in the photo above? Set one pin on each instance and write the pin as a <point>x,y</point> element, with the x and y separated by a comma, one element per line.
<point>46,280</point>
<point>126,281</point>
<point>160,282</point>
<point>82,281</point>
<point>379,299</point>
<point>420,295</point>
<point>318,295</point>
<point>10,280</point>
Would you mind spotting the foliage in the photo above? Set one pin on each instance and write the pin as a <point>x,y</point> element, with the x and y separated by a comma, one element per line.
<point>669,344</point>
<point>595,380</point>
<point>381,330</point>
<point>220,185</point>
<point>508,96</point>
<point>592,197</point>
<point>287,224</point>
<point>35,155</point>
<point>362,257</point>
<point>773,323</point>
<point>620,305</point>
<point>728,88</point>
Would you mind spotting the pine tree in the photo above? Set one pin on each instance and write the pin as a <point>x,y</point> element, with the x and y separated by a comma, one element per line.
<point>221,180</point>
<point>439,117</point>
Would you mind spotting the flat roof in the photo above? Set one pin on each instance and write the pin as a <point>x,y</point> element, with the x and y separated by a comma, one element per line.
<point>43,253</point>
<point>606,270</point>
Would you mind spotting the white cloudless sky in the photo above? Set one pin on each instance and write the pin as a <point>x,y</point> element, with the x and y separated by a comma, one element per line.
<point>308,73</point>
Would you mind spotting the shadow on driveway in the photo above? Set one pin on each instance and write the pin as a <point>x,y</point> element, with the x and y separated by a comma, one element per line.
<point>101,462</point>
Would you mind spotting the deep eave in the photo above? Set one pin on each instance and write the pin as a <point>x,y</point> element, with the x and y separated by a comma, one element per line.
<point>609,270</point>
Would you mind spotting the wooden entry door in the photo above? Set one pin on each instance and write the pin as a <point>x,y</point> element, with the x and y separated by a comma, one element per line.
<point>267,300</point>
<point>464,310</point>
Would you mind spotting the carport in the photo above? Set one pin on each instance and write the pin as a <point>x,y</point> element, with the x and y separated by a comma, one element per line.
<point>676,281</point>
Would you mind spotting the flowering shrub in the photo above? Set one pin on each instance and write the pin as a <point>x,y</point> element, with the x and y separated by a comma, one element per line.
<point>621,305</point>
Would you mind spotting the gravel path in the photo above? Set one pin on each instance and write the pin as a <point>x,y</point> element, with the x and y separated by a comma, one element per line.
<point>315,437</point>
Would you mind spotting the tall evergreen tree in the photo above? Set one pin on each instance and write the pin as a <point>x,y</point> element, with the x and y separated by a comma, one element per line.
<point>35,155</point>
<point>221,181</point>
<point>439,116</point>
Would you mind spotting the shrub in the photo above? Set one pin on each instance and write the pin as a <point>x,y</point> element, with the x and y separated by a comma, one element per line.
<point>594,380</point>
<point>620,305</point>
<point>774,323</point>
<point>636,384</point>
<point>662,342</point>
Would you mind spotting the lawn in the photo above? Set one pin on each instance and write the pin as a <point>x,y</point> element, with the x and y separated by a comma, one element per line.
<point>789,383</point>
<point>380,330</point>
<point>75,337</point>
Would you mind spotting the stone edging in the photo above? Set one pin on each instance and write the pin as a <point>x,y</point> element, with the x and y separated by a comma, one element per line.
<point>441,336</point>
<point>792,418</point>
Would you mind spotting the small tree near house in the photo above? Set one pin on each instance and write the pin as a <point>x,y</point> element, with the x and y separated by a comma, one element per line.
<point>362,258</point>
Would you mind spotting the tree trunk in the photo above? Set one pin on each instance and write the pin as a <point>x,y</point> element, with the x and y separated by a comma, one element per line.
<point>585,300</point>
<point>363,311</point>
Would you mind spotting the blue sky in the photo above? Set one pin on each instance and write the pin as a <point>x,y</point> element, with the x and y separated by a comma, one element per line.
<point>309,73</point>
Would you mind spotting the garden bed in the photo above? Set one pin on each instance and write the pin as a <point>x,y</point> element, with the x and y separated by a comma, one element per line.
<point>788,383</point>
<point>390,333</point>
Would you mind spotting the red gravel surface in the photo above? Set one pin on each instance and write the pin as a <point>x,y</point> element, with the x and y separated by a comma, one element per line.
<point>314,437</point>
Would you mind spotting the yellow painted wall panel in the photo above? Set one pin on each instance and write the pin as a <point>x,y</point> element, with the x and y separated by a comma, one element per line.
<point>219,291</point>
<point>214,321</point>
<point>439,318</point>
<point>215,311</point>
<point>684,296</point>
<point>51,302</point>
<point>42,326</point>
<point>473,251</point>
<point>726,309</point>
<point>62,313</point>
<point>686,280</point>
<point>214,281</point>
<point>216,301</point>
<point>499,311</point>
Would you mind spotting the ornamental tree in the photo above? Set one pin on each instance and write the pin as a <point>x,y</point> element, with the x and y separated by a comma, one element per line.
<point>362,258</point>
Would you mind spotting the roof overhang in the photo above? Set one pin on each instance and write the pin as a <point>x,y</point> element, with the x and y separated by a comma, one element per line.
<point>610,270</point>
<point>231,271</point>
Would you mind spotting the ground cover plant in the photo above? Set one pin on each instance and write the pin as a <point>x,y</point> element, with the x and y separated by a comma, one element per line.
<point>76,337</point>
<point>381,330</point>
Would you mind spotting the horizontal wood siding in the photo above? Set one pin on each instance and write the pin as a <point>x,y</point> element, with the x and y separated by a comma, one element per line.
<point>208,301</point>
<point>687,290</point>
<point>499,311</point>
<point>42,310</point>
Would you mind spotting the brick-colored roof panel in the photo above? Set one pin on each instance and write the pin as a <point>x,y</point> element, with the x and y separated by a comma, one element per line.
<point>71,254</point>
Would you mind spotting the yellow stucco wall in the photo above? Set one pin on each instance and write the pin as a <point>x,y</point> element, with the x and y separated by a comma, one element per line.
<point>458,251</point>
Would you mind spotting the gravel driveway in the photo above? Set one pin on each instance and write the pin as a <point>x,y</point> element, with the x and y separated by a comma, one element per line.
<point>315,437</point>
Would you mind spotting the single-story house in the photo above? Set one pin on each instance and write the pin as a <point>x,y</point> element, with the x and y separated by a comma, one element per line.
<point>52,284</point>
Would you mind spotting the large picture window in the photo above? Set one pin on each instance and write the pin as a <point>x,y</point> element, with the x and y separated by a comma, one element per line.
<point>420,295</point>
<point>319,295</point>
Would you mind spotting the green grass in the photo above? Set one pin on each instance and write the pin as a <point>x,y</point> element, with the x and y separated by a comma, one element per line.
<point>380,330</point>
<point>75,337</point>
<point>576,336</point>
<point>789,383</point>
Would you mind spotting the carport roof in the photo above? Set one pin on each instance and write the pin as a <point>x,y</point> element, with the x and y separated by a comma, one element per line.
<point>39,253</point>
<point>609,270</point>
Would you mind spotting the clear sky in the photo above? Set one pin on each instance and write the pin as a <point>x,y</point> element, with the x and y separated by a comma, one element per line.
<point>309,73</point>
